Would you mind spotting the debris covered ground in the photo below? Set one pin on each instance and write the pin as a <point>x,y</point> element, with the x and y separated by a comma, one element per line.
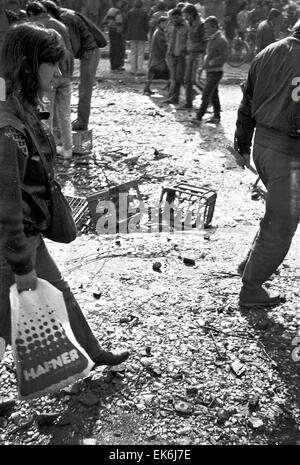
<point>202,371</point>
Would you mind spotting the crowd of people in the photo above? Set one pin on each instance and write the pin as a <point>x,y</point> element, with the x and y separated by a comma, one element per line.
<point>39,41</point>
<point>183,40</point>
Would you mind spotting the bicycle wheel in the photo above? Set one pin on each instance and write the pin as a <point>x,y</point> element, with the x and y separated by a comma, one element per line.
<point>239,52</point>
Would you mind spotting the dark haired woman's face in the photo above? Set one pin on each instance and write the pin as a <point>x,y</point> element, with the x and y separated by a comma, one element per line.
<point>47,74</point>
<point>209,29</point>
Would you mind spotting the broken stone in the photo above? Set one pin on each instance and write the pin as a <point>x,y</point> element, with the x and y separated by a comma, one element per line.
<point>157,267</point>
<point>184,408</point>
<point>296,341</point>
<point>148,398</point>
<point>148,351</point>
<point>145,362</point>
<point>184,431</point>
<point>46,419</point>
<point>97,294</point>
<point>189,261</point>
<point>255,423</point>
<point>191,391</point>
<point>140,406</point>
<point>117,368</point>
<point>20,421</point>
<point>223,415</point>
<point>238,368</point>
<point>155,371</point>
<point>253,403</point>
<point>72,390</point>
<point>15,417</point>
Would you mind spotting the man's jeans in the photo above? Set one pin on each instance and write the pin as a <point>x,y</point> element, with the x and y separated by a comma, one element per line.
<point>192,63</point>
<point>88,67</point>
<point>210,94</point>
<point>137,50</point>
<point>46,269</point>
<point>60,112</point>
<point>281,175</point>
<point>177,70</point>
<point>116,50</point>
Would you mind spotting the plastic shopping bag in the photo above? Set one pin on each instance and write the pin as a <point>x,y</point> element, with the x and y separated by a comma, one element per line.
<point>46,353</point>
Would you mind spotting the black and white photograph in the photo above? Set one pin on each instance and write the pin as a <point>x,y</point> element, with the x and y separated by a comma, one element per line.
<point>149,240</point>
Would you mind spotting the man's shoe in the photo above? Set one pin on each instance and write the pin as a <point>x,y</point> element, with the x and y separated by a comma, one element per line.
<point>197,119</point>
<point>213,120</point>
<point>259,298</point>
<point>77,126</point>
<point>170,100</point>
<point>185,107</point>
<point>148,92</point>
<point>108,358</point>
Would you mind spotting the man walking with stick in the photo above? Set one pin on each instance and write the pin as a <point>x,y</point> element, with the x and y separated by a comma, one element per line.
<point>271,104</point>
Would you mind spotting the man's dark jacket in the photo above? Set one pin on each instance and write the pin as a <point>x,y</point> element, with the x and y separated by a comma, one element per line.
<point>137,25</point>
<point>271,101</point>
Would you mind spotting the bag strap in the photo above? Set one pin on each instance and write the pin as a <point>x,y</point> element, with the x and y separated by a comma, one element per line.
<point>44,160</point>
<point>9,119</point>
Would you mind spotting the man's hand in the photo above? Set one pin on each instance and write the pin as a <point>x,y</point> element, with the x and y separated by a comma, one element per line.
<point>26,282</point>
<point>245,158</point>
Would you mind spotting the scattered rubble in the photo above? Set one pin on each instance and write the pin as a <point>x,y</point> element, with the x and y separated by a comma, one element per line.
<point>201,370</point>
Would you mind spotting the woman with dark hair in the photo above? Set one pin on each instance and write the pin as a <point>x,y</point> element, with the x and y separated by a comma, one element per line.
<point>30,58</point>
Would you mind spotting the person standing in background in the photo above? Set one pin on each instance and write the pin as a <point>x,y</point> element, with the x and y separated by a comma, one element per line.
<point>265,34</point>
<point>214,8</point>
<point>157,59</point>
<point>7,18</point>
<point>60,96</point>
<point>160,10</point>
<point>232,7</point>
<point>216,57</point>
<point>195,50</point>
<point>177,36</point>
<point>242,20</point>
<point>137,33</point>
<point>257,14</point>
<point>114,22</point>
<point>84,48</point>
<point>16,7</point>
<point>91,9</point>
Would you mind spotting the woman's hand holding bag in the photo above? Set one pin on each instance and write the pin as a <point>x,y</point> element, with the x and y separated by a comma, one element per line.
<point>46,353</point>
<point>26,282</point>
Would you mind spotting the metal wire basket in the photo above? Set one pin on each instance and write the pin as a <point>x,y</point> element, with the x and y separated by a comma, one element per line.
<point>78,206</point>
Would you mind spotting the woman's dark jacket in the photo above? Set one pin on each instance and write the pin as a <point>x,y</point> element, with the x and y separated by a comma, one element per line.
<point>24,186</point>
